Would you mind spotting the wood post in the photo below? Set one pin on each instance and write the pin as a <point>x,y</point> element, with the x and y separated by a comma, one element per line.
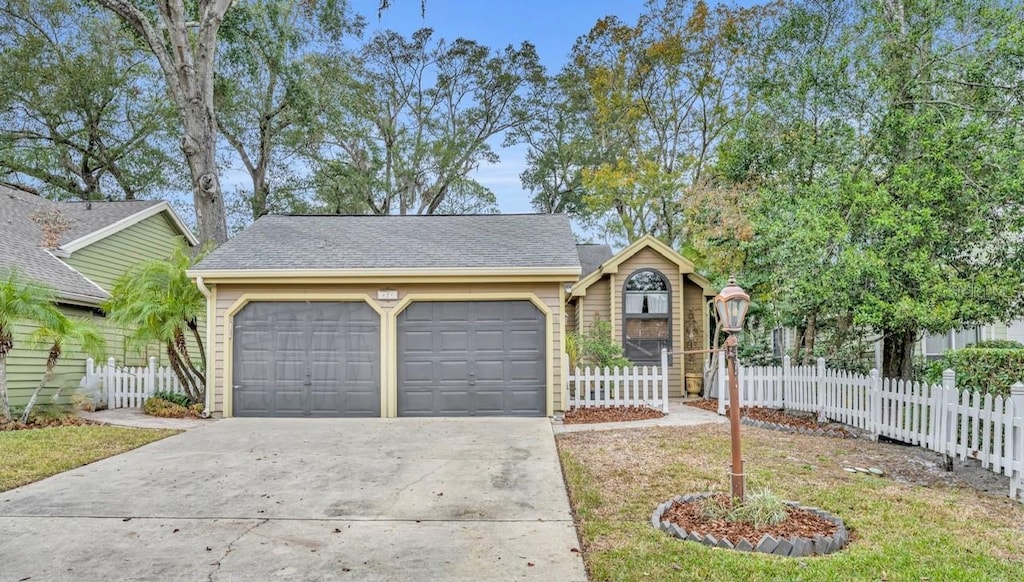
<point>820,378</point>
<point>1016,447</point>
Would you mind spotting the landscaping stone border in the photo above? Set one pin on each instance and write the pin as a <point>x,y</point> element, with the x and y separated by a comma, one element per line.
<point>794,547</point>
<point>831,432</point>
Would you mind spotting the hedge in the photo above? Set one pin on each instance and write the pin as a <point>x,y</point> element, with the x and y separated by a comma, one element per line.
<point>980,369</point>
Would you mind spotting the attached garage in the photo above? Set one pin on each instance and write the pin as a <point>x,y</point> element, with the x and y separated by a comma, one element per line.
<point>389,316</point>
<point>307,359</point>
<point>471,358</point>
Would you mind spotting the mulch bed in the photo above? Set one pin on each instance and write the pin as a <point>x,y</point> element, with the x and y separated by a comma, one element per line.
<point>800,523</point>
<point>6,425</point>
<point>610,414</point>
<point>775,416</point>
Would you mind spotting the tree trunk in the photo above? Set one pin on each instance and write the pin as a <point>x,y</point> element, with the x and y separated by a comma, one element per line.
<point>810,333</point>
<point>898,353</point>
<point>199,344</point>
<point>5,404</point>
<point>200,148</point>
<point>35,394</point>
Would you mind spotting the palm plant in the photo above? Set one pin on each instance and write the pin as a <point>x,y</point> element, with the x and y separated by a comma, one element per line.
<point>21,300</point>
<point>159,302</point>
<point>55,335</point>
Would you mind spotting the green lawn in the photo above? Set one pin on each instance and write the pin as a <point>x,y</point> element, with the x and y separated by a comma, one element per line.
<point>903,531</point>
<point>31,455</point>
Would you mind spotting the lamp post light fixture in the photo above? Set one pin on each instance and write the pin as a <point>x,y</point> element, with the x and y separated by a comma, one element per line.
<point>732,304</point>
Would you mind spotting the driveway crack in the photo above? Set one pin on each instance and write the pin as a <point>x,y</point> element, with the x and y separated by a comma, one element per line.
<point>231,546</point>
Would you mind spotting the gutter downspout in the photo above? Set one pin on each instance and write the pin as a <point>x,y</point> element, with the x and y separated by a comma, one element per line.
<point>209,342</point>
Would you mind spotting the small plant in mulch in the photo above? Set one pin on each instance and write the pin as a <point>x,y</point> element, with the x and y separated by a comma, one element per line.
<point>164,408</point>
<point>589,415</point>
<point>763,523</point>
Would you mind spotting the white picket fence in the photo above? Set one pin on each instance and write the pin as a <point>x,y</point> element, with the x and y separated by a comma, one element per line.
<point>938,417</point>
<point>128,387</point>
<point>604,387</point>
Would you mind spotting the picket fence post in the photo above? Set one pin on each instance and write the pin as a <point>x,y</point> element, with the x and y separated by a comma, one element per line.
<point>108,382</point>
<point>723,390</point>
<point>664,381</point>
<point>876,404</point>
<point>787,378</point>
<point>150,386</point>
<point>949,404</point>
<point>821,389</point>
<point>1017,443</point>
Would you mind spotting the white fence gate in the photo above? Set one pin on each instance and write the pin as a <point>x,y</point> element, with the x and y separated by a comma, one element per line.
<point>938,417</point>
<point>128,387</point>
<point>604,387</point>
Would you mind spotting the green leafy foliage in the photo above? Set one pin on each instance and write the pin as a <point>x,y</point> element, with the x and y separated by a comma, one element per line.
<point>980,369</point>
<point>999,344</point>
<point>179,398</point>
<point>158,406</point>
<point>761,508</point>
<point>161,304</point>
<point>21,299</point>
<point>596,348</point>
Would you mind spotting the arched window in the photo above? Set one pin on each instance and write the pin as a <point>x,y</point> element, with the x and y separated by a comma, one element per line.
<point>646,317</point>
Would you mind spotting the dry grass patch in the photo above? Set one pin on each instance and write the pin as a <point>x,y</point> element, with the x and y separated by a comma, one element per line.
<point>913,524</point>
<point>31,455</point>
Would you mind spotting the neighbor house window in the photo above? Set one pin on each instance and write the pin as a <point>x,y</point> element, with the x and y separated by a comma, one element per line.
<point>934,346</point>
<point>646,317</point>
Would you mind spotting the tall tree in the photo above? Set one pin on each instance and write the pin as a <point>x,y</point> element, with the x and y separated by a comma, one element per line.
<point>183,38</point>
<point>662,93</point>
<point>886,148</point>
<point>79,117</point>
<point>263,96</point>
<point>416,117</point>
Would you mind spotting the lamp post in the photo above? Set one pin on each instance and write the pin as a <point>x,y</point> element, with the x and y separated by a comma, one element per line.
<point>732,304</point>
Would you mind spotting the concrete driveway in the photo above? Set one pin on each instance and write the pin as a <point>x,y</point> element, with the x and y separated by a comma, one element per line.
<point>309,499</point>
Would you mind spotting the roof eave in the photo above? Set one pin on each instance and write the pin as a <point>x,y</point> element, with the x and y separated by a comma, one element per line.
<point>553,273</point>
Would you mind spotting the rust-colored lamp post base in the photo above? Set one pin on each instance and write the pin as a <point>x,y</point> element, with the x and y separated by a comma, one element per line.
<point>736,477</point>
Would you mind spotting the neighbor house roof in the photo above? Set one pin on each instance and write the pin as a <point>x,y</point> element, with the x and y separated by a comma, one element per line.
<point>611,265</point>
<point>279,246</point>
<point>22,245</point>
<point>592,255</point>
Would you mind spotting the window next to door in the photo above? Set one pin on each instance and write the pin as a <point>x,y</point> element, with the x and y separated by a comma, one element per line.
<point>646,317</point>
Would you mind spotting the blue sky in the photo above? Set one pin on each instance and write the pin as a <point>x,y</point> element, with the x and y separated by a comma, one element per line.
<point>552,26</point>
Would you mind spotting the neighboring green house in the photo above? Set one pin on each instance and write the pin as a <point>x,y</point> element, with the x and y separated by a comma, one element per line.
<point>79,249</point>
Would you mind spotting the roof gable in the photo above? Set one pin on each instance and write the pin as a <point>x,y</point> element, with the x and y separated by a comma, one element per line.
<point>22,246</point>
<point>612,265</point>
<point>281,246</point>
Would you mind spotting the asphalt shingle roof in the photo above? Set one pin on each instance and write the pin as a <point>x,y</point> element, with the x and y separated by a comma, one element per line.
<point>592,255</point>
<point>21,238</point>
<point>399,242</point>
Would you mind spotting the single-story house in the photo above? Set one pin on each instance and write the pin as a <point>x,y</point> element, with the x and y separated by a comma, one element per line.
<point>653,298</point>
<point>79,249</point>
<point>385,316</point>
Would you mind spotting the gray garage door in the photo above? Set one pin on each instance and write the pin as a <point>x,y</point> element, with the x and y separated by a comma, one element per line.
<point>306,359</point>
<point>471,358</point>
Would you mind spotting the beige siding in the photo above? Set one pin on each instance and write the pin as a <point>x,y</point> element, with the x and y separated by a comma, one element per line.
<point>650,259</point>
<point>104,261</point>
<point>596,304</point>
<point>228,295</point>
<point>570,317</point>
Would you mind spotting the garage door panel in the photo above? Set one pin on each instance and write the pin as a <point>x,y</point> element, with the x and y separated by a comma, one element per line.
<point>306,359</point>
<point>504,350</point>
<point>452,340</point>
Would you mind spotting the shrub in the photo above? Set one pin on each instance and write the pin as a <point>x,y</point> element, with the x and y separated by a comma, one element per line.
<point>980,369</point>
<point>999,344</point>
<point>176,397</point>
<point>156,406</point>
<point>595,347</point>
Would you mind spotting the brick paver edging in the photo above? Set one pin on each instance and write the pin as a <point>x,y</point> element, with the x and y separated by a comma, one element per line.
<point>795,547</point>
